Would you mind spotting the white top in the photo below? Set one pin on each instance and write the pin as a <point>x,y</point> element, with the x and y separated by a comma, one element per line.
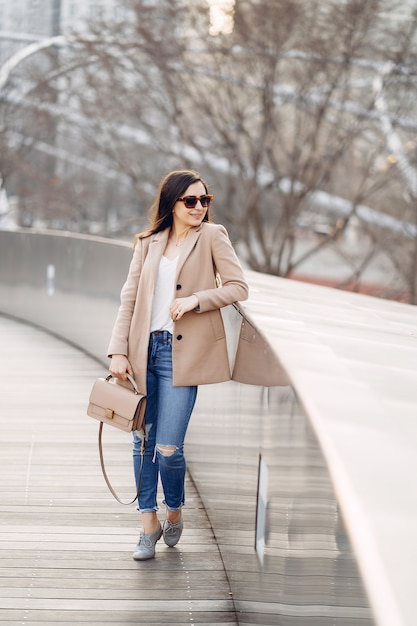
<point>164,295</point>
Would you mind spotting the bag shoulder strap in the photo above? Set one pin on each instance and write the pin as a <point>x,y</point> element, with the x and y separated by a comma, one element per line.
<point>144,251</point>
<point>103,468</point>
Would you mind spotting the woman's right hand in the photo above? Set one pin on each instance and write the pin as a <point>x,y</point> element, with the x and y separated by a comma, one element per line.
<point>120,367</point>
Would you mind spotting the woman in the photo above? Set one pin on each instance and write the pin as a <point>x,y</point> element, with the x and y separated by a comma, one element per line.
<point>169,335</point>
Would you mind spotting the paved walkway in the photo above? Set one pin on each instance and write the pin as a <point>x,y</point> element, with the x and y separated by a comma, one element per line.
<point>65,544</point>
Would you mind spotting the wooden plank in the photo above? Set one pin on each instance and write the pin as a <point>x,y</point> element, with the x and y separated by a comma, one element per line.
<point>65,544</point>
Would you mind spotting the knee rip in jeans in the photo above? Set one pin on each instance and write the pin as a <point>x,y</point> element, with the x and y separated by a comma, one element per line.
<point>166,450</point>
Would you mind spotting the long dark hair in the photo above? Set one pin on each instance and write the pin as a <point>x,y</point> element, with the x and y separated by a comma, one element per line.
<point>172,187</point>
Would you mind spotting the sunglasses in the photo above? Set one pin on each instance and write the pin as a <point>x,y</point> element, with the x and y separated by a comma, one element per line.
<point>191,201</point>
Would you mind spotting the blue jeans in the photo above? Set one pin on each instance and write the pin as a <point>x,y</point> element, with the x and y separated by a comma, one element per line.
<point>168,411</point>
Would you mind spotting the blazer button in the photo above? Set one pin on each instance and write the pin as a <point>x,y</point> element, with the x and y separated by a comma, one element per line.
<point>179,337</point>
<point>179,287</point>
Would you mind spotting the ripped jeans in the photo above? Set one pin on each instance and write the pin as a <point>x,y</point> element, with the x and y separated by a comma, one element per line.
<point>168,411</point>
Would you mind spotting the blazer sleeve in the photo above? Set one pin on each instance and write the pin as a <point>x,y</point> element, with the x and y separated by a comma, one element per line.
<point>120,334</point>
<point>233,284</point>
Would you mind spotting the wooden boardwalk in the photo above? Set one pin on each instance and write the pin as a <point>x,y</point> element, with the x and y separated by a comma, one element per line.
<point>65,544</point>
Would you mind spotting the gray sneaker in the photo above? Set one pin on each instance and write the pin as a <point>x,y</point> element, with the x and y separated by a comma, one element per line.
<point>172,532</point>
<point>146,545</point>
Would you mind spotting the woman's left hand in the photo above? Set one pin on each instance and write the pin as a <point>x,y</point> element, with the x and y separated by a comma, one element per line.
<point>183,305</point>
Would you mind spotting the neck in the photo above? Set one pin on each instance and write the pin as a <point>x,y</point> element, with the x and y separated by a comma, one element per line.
<point>178,237</point>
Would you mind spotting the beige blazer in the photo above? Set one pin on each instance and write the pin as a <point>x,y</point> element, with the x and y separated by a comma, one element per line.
<point>199,344</point>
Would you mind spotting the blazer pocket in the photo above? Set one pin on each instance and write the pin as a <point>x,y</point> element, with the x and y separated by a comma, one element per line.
<point>216,324</point>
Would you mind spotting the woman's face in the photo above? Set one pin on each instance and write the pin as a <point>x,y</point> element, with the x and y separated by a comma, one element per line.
<point>187,218</point>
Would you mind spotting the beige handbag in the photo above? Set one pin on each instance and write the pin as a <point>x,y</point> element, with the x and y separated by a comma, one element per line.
<point>119,406</point>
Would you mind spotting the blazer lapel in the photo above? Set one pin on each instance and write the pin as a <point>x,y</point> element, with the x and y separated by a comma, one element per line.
<point>188,245</point>
<point>155,252</point>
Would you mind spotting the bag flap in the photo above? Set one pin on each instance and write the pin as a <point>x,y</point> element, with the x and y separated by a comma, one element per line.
<point>118,398</point>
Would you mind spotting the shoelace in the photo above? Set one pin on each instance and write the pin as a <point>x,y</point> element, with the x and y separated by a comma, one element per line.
<point>172,528</point>
<point>145,540</point>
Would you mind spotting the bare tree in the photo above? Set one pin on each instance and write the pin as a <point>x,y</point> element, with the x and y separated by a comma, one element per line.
<point>302,115</point>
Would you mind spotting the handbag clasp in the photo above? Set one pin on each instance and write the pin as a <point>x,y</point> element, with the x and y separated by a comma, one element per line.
<point>109,414</point>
